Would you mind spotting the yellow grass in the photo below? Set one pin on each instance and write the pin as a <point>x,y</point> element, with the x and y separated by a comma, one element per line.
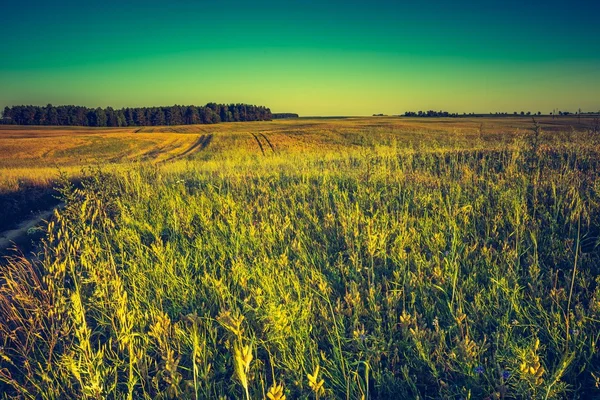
<point>369,258</point>
<point>38,154</point>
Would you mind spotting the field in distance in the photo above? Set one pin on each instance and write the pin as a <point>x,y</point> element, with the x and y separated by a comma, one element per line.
<point>37,153</point>
<point>351,258</point>
<point>33,157</point>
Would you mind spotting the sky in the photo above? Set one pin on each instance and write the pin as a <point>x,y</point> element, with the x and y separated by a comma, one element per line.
<point>309,57</point>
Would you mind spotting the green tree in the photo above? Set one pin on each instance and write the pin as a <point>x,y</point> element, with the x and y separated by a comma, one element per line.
<point>51,115</point>
<point>111,117</point>
<point>158,117</point>
<point>139,117</point>
<point>100,117</point>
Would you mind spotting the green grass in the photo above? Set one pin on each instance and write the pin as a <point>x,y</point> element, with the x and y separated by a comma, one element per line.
<point>466,269</point>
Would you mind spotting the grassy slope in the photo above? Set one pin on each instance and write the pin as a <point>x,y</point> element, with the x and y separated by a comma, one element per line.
<point>425,258</point>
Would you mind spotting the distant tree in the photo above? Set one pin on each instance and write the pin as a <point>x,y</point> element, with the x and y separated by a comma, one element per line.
<point>291,115</point>
<point>139,117</point>
<point>28,115</point>
<point>192,116</point>
<point>39,116</point>
<point>157,117</point>
<point>205,115</point>
<point>174,115</point>
<point>64,115</point>
<point>235,112</point>
<point>111,117</point>
<point>92,118</point>
<point>224,114</point>
<point>121,121</point>
<point>6,114</point>
<point>168,115</point>
<point>51,117</point>
<point>81,116</point>
<point>216,109</point>
<point>129,120</point>
<point>100,117</point>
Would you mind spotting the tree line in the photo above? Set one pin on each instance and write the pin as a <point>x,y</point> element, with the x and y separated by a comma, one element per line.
<point>70,115</point>
<point>432,113</point>
<point>284,115</point>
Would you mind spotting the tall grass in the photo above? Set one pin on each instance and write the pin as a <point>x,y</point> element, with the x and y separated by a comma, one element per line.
<point>379,272</point>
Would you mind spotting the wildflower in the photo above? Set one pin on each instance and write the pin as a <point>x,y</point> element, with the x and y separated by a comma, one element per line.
<point>313,381</point>
<point>505,374</point>
<point>231,323</point>
<point>276,392</point>
<point>531,367</point>
<point>323,287</point>
<point>360,334</point>
<point>479,369</point>
<point>405,319</point>
<point>241,362</point>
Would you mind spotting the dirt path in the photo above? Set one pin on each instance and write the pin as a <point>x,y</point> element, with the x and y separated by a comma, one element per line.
<point>8,238</point>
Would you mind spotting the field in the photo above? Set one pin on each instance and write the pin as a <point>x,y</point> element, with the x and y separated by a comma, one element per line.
<point>313,258</point>
<point>34,159</point>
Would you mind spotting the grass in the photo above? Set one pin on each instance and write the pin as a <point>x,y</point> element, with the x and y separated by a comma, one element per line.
<point>33,158</point>
<point>355,259</point>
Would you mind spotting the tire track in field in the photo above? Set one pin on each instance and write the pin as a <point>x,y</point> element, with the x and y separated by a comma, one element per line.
<point>200,144</point>
<point>269,142</point>
<point>259,143</point>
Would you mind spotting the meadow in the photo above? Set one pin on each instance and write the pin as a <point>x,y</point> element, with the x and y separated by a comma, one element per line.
<point>349,258</point>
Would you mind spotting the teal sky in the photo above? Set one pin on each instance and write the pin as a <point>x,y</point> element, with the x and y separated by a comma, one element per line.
<point>310,57</point>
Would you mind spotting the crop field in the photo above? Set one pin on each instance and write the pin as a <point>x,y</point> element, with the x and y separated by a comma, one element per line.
<point>33,159</point>
<point>351,258</point>
<point>35,155</point>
